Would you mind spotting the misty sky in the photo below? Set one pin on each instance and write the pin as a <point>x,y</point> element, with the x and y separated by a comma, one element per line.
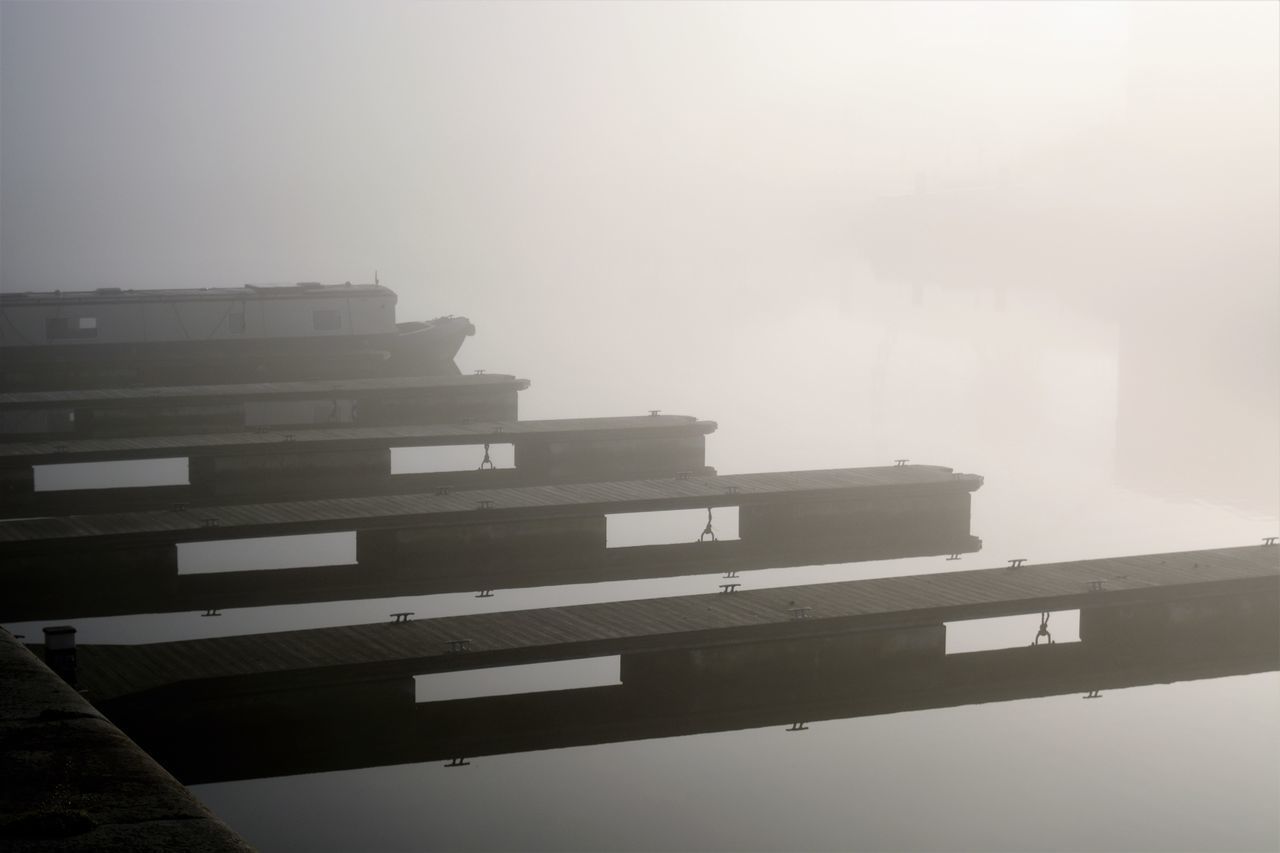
<point>472,151</point>
<point>663,185</point>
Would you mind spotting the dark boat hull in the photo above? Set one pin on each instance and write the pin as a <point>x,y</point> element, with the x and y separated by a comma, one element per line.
<point>416,349</point>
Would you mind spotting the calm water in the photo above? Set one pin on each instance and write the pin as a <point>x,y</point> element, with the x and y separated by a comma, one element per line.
<point>957,379</point>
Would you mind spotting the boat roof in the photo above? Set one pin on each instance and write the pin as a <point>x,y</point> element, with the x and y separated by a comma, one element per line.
<point>304,289</point>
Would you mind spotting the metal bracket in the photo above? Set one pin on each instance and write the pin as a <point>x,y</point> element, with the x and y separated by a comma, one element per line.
<point>798,727</point>
<point>1013,564</point>
<point>486,464</point>
<point>485,593</point>
<point>729,587</point>
<point>402,617</point>
<point>732,573</point>
<point>1092,694</point>
<point>1044,631</point>
<point>799,612</point>
<point>900,463</point>
<point>484,504</point>
<point>1097,586</point>
<point>212,611</point>
<point>458,762</point>
<point>1270,540</point>
<point>458,645</point>
<point>707,531</point>
<point>953,557</point>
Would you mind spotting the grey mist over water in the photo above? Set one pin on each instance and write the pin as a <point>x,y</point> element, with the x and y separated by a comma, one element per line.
<point>1037,242</point>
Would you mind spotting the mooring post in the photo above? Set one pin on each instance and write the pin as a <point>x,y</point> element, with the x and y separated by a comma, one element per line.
<point>60,651</point>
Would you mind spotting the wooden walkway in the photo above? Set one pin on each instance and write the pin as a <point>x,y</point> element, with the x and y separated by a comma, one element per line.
<point>390,650</point>
<point>44,535</point>
<point>337,439</point>
<point>267,390</point>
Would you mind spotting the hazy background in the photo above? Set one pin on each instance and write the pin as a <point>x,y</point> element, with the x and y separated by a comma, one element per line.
<point>625,198</point>
<point>1034,241</point>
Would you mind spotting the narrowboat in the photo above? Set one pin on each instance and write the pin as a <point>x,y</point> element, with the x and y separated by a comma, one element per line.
<point>112,337</point>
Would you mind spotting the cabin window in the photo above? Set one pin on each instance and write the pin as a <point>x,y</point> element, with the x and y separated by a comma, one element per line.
<point>71,327</point>
<point>326,321</point>
<point>235,323</point>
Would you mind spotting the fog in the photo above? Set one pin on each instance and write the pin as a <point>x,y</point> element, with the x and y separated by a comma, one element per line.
<point>598,178</point>
<point>1034,241</point>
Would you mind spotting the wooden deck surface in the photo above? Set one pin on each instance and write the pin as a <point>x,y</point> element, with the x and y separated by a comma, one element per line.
<point>308,388</point>
<point>207,523</point>
<point>388,650</point>
<point>480,432</point>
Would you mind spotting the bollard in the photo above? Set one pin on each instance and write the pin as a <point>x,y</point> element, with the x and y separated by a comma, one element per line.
<point>60,651</point>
